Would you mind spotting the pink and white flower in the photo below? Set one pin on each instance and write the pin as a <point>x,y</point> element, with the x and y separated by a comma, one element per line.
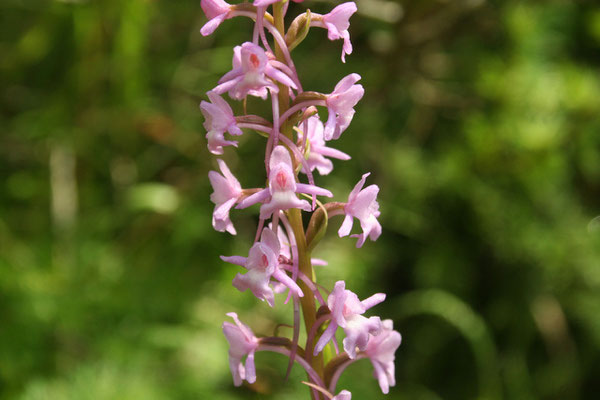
<point>219,119</point>
<point>216,11</point>
<point>337,23</point>
<point>227,191</point>
<point>318,148</point>
<point>381,350</point>
<point>242,343</point>
<point>283,188</point>
<point>340,105</point>
<point>362,204</point>
<point>346,310</point>
<point>262,264</point>
<point>250,74</point>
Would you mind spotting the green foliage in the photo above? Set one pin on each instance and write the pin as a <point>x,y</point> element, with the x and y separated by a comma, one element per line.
<point>479,123</point>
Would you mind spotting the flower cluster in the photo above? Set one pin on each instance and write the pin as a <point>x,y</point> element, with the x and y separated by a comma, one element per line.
<point>297,141</point>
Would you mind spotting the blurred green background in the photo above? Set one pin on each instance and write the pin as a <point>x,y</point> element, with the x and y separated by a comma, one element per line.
<point>479,123</point>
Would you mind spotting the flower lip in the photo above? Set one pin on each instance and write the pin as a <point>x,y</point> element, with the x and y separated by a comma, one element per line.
<point>381,351</point>
<point>227,191</point>
<point>242,343</point>
<point>340,105</point>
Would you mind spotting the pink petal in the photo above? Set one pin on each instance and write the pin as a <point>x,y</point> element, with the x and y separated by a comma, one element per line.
<point>227,85</point>
<point>288,282</point>
<point>237,260</point>
<point>329,152</point>
<point>358,187</point>
<point>284,201</point>
<point>253,199</point>
<point>346,83</point>
<point>228,175</point>
<point>325,337</point>
<point>237,370</point>
<point>346,226</point>
<point>212,25</point>
<point>373,300</point>
<point>311,189</point>
<point>280,76</point>
<point>269,238</point>
<point>250,368</point>
<point>381,377</point>
<point>213,8</point>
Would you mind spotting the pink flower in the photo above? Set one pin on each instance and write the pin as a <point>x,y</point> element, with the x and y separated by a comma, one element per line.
<point>318,149</point>
<point>227,190</point>
<point>343,395</point>
<point>216,11</point>
<point>363,205</point>
<point>340,105</point>
<point>219,118</point>
<point>380,350</point>
<point>346,310</point>
<point>337,23</point>
<point>242,342</point>
<point>250,73</point>
<point>262,264</point>
<point>281,193</point>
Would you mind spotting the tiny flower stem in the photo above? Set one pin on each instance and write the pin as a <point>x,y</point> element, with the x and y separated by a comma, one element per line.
<point>336,367</point>
<point>320,389</point>
<point>297,107</point>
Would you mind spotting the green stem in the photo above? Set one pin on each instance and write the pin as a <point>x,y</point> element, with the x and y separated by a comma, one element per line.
<point>309,309</point>
<point>307,302</point>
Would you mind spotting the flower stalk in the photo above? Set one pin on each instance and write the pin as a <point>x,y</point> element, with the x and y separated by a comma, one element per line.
<point>280,259</point>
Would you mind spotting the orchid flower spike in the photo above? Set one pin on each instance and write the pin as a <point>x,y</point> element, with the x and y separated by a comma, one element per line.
<point>219,118</point>
<point>242,343</point>
<point>216,11</point>
<point>362,204</point>
<point>250,74</point>
<point>262,263</point>
<point>318,148</point>
<point>346,310</point>
<point>337,23</point>
<point>380,350</point>
<point>227,191</point>
<point>282,190</point>
<point>340,105</point>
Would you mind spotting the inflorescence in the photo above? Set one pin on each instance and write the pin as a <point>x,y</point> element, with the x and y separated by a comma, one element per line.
<point>280,260</point>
